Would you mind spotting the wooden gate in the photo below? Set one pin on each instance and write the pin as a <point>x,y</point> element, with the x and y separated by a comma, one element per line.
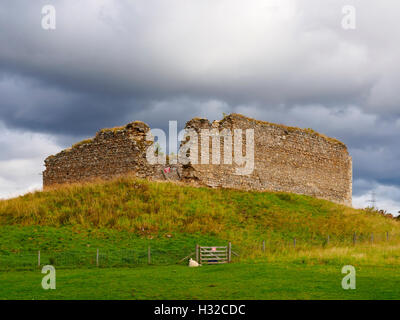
<point>213,255</point>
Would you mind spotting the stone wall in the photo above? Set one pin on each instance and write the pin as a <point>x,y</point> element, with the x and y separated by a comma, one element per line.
<point>112,152</point>
<point>286,159</point>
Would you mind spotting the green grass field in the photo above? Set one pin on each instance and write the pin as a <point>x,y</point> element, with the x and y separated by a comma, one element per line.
<point>233,281</point>
<point>124,217</point>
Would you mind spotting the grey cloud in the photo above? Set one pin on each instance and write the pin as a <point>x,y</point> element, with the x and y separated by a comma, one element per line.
<point>21,160</point>
<point>150,49</point>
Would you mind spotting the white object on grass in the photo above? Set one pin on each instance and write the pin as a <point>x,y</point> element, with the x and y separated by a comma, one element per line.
<point>193,263</point>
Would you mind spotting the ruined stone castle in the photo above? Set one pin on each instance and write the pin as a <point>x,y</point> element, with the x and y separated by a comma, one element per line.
<point>285,159</point>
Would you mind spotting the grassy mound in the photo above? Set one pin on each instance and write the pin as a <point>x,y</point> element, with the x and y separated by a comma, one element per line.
<point>156,209</point>
<point>113,225</point>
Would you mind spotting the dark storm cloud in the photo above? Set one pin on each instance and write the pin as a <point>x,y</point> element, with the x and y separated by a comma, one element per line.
<point>267,54</point>
<point>29,104</point>
<point>154,50</point>
<point>111,62</point>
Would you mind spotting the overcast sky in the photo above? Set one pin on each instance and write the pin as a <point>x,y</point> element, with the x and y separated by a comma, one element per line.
<point>111,62</point>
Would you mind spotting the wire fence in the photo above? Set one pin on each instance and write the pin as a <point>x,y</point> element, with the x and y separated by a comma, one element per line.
<point>23,260</point>
<point>288,244</point>
<point>168,255</point>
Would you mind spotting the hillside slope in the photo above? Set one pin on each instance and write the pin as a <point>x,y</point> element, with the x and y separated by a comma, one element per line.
<point>155,208</point>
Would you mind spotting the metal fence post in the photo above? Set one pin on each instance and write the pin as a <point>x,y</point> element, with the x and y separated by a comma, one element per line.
<point>97,257</point>
<point>327,240</point>
<point>294,243</point>
<point>39,258</point>
<point>229,252</point>
<point>148,255</point>
<point>372,238</point>
<point>263,246</point>
<point>354,238</point>
<point>197,252</point>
